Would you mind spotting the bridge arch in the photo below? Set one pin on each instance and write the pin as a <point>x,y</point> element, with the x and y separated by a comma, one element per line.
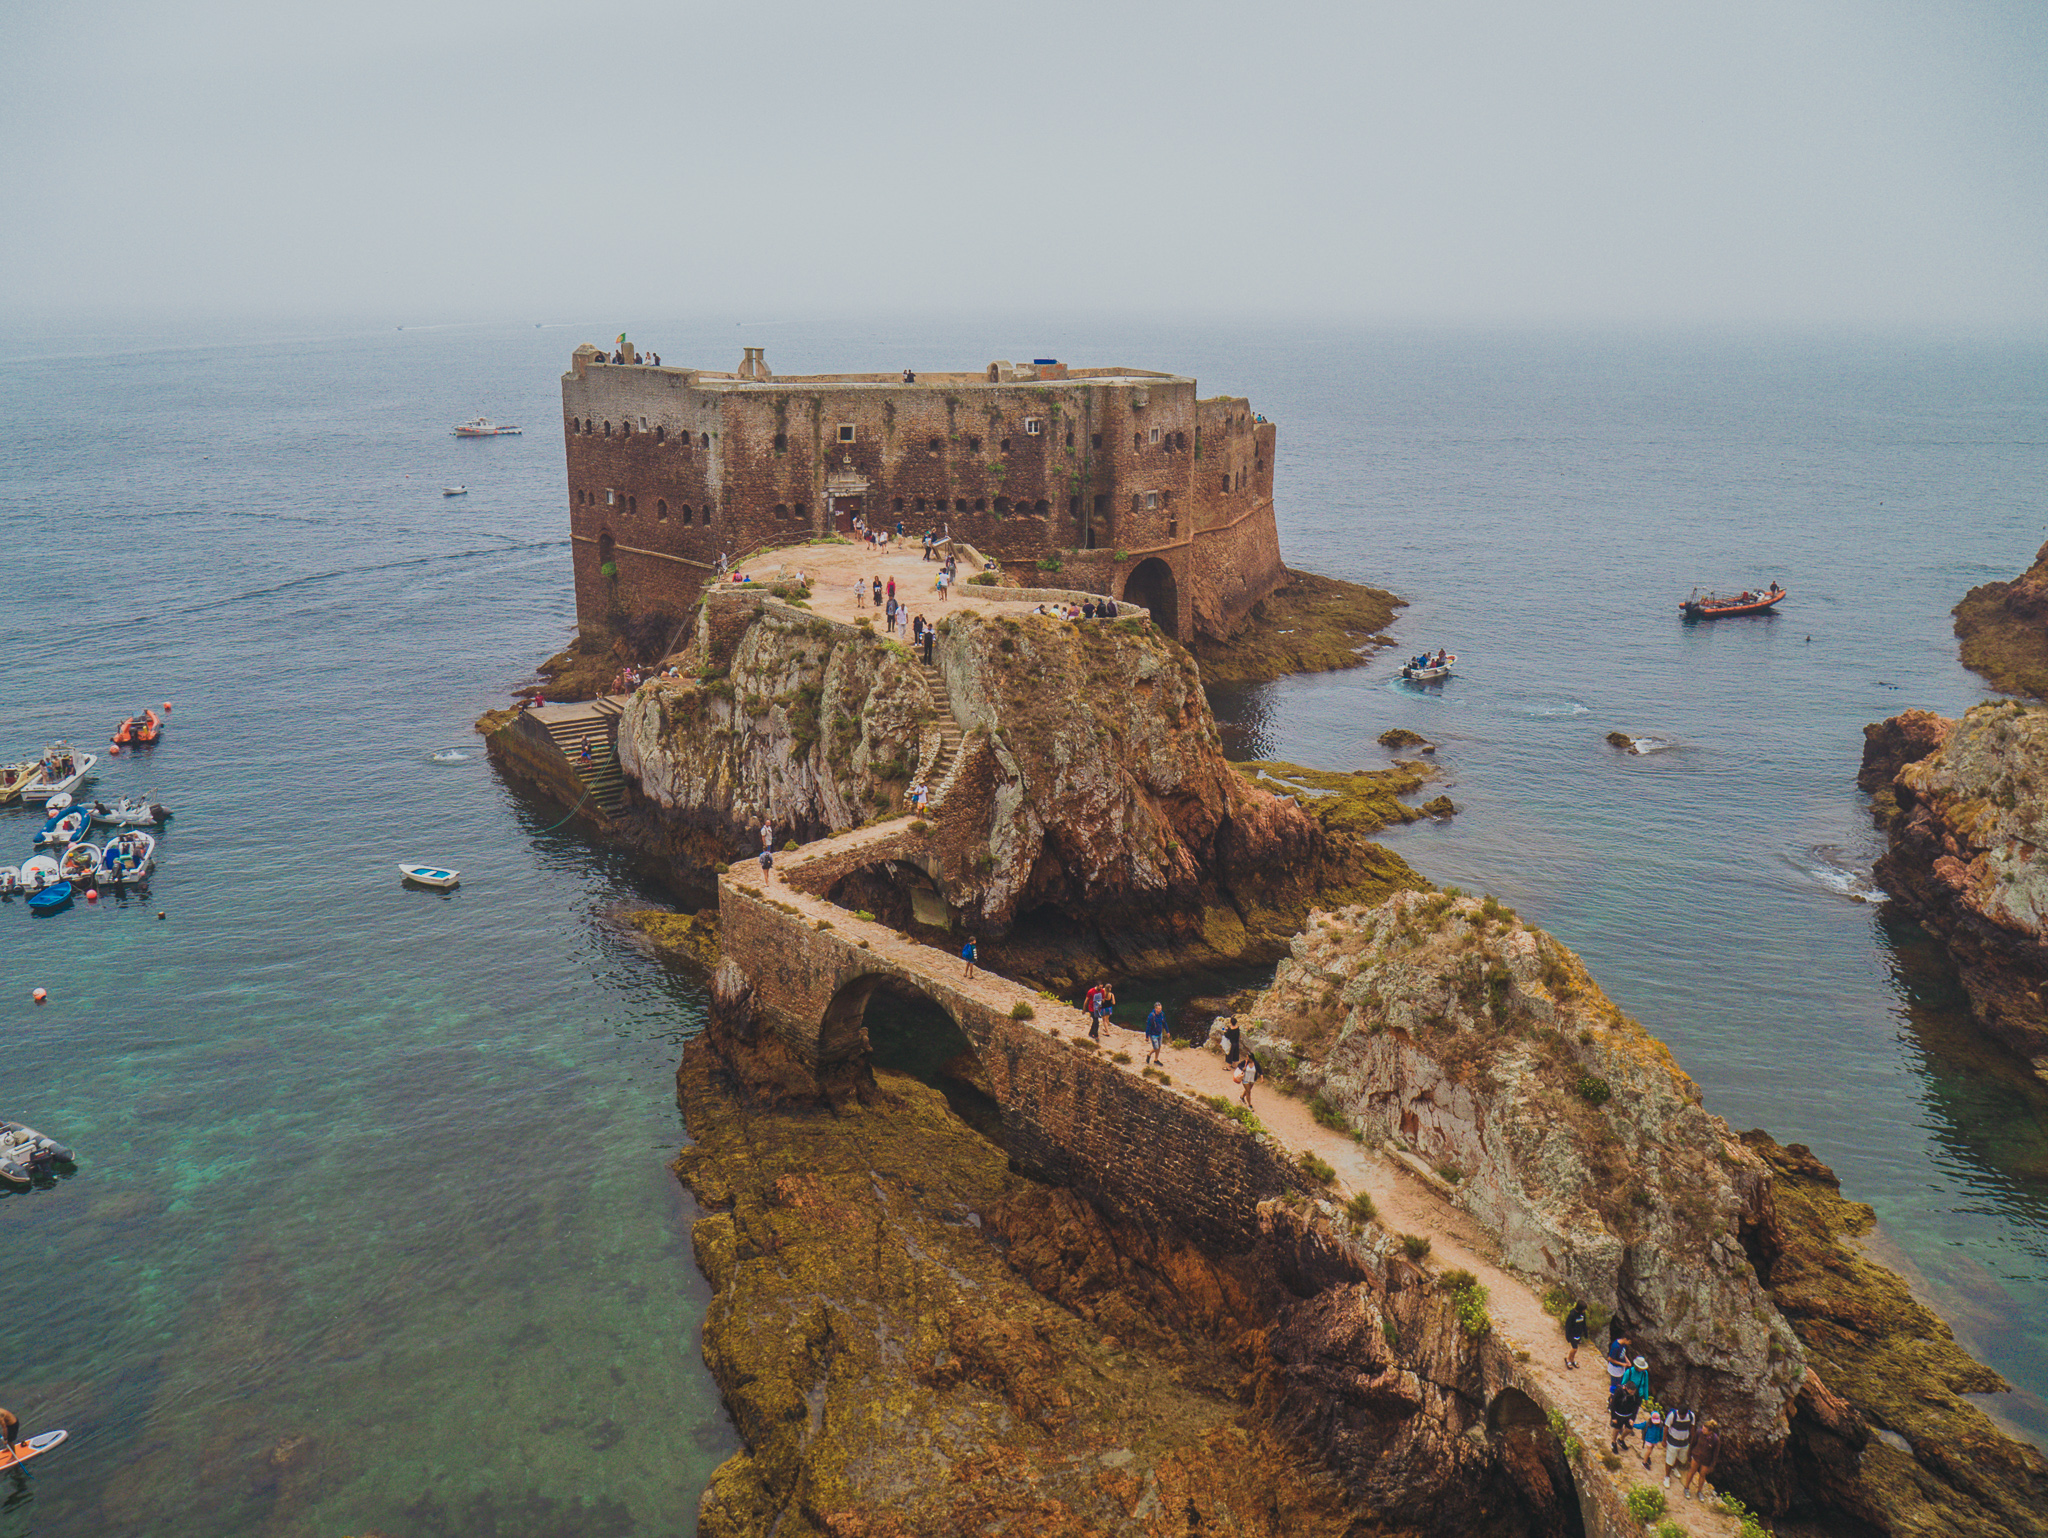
<point>1151,584</point>
<point>886,1021</point>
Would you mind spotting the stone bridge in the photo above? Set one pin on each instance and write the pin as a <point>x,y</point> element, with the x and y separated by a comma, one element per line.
<point>1150,1153</point>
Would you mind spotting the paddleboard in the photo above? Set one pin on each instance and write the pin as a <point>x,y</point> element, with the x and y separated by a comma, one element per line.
<point>42,1442</point>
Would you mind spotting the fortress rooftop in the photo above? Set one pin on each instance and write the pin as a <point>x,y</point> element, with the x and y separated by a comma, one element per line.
<point>754,372</point>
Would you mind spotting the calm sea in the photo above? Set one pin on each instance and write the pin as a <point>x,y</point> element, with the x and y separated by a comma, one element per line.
<point>372,1227</point>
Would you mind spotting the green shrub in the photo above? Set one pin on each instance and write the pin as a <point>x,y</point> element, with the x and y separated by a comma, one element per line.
<point>1749,1524</point>
<point>1392,1331</point>
<point>920,827</point>
<point>1048,563</point>
<point>1022,1011</point>
<point>1317,1168</point>
<point>1416,1245</point>
<point>1610,1461</point>
<point>1470,1299</point>
<point>1080,1041</point>
<point>985,579</point>
<point>721,869</point>
<point>864,915</point>
<point>1594,1091</point>
<point>1327,1115</point>
<point>1556,1302</point>
<point>1669,1529</point>
<point>1646,1503</point>
<point>1361,1208</point>
<point>1451,1174</point>
<point>1119,1057</point>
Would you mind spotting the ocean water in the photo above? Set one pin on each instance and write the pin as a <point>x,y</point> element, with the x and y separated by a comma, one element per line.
<point>372,1228</point>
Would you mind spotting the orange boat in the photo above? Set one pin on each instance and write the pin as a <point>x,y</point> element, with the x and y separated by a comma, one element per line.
<point>134,732</point>
<point>1714,606</point>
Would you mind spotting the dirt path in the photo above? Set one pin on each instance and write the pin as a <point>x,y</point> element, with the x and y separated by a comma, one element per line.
<point>1405,1203</point>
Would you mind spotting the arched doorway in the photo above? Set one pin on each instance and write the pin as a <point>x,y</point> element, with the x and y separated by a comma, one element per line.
<point>605,546</point>
<point>901,1030</point>
<point>1152,585</point>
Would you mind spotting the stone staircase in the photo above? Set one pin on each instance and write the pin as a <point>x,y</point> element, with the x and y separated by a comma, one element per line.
<point>597,729</point>
<point>950,735</point>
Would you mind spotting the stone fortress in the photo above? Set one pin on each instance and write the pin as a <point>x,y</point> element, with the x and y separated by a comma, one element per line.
<point>1119,478</point>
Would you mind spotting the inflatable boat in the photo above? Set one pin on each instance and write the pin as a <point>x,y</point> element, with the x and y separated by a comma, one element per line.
<point>26,1153</point>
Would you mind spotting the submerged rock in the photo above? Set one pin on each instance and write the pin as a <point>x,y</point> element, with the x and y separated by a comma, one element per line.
<point>1967,824</point>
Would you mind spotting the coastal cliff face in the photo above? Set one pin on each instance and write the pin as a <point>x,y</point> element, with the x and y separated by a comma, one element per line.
<point>1089,818</point>
<point>1967,822</point>
<point>1446,1024</point>
<point>2003,628</point>
<point>915,1339</point>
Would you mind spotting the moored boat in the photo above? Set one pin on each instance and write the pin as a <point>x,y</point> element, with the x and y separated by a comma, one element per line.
<point>51,898</point>
<point>484,427</point>
<point>128,857</point>
<point>13,779</point>
<point>63,825</point>
<point>131,812</point>
<point>25,1152</point>
<point>59,772</point>
<point>80,863</point>
<point>430,875</point>
<point>454,491</point>
<point>10,880</point>
<point>1748,601</point>
<point>38,873</point>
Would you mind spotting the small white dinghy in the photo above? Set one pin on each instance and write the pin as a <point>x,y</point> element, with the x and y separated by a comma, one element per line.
<point>129,856</point>
<point>454,491</point>
<point>431,875</point>
<point>39,873</point>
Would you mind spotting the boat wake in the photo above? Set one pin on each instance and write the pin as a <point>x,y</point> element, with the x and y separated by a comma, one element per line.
<point>1650,745</point>
<point>1556,710</point>
<point>1830,867</point>
<point>450,756</point>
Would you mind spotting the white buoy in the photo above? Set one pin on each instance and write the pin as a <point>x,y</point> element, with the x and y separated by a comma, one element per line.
<point>41,995</point>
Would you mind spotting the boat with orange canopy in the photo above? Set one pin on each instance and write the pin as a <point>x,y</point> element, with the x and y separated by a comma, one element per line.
<point>138,731</point>
<point>1748,601</point>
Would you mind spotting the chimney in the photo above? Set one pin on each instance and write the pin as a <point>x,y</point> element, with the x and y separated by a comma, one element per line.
<point>754,365</point>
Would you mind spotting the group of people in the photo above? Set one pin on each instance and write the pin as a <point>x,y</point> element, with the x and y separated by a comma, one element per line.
<point>1099,1003</point>
<point>649,359</point>
<point>1673,1435</point>
<point>1435,659</point>
<point>1088,609</point>
<point>1244,1067</point>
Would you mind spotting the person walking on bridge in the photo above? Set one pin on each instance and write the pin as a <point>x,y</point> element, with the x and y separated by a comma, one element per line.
<point>1155,1034</point>
<point>967,955</point>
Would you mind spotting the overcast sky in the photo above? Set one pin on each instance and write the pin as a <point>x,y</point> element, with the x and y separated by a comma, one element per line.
<point>1433,160</point>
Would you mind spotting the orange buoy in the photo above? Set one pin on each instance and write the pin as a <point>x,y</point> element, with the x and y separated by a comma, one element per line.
<point>40,995</point>
<point>113,750</point>
<point>92,894</point>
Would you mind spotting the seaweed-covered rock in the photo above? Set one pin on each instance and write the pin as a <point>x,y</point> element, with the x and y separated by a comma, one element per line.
<point>1481,1043</point>
<point>2003,628</point>
<point>1309,624</point>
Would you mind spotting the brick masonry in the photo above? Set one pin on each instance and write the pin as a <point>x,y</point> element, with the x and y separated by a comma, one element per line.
<point>1155,496</point>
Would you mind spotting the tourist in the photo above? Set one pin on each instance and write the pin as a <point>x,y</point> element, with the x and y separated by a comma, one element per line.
<point>767,864</point>
<point>1637,1378</point>
<point>941,585</point>
<point>1706,1452</point>
<point>1617,1362</point>
<point>1088,1003</point>
<point>1678,1429</point>
<point>967,954</point>
<point>1652,1429</point>
<point>928,645</point>
<point>908,377</point>
<point>899,528</point>
<point>584,757</point>
<point>860,593</point>
<point>1574,1333</point>
<point>1621,1416</point>
<point>878,592</point>
<point>1088,609</point>
<point>1233,1042</point>
<point>1247,1074</point>
<point>892,587</point>
<point>1155,1033</point>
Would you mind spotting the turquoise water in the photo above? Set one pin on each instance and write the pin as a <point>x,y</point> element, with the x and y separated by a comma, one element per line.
<point>386,1171</point>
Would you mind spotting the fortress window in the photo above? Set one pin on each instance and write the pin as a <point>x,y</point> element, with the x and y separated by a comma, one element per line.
<point>607,429</point>
<point>782,509</point>
<point>707,515</point>
<point>632,507</point>
<point>782,443</point>
<point>1134,501</point>
<point>611,498</point>
<point>846,432</point>
<point>1041,509</point>
<point>1173,528</point>
<point>1180,440</point>
<point>960,504</point>
<point>934,446</point>
<point>1006,445</point>
<point>643,424</point>
<point>661,510</point>
<point>1073,507</point>
<point>686,512</point>
<point>1155,435</point>
<point>974,445</point>
<point>1151,500</point>
<point>1033,427</point>
<point>981,504</point>
<point>1070,437</point>
<point>1095,440</point>
<point>625,429</point>
<point>661,435</point>
<point>899,504</point>
<point>1226,483</point>
<point>1259,463</point>
<point>803,513</point>
<point>1137,440</point>
<point>1002,504</point>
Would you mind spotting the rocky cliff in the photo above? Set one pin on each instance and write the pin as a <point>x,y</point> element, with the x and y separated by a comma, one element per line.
<point>1448,1026</point>
<point>915,1339</point>
<point>1482,1045</point>
<point>1967,821</point>
<point>2003,628</point>
<point>1089,817</point>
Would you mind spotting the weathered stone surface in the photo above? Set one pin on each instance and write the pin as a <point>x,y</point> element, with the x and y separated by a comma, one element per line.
<point>1891,744</point>
<point>2003,628</point>
<point>1967,824</point>
<point>1485,1046</point>
<point>1887,1365</point>
<point>1309,624</point>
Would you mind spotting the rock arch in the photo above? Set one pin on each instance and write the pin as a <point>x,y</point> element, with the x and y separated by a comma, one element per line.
<point>1152,585</point>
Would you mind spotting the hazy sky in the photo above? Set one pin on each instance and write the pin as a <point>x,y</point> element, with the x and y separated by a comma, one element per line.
<point>1435,160</point>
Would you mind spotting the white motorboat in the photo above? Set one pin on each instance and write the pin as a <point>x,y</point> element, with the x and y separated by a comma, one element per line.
<point>10,880</point>
<point>59,772</point>
<point>431,875</point>
<point>484,427</point>
<point>1427,672</point>
<point>454,491</point>
<point>128,857</point>
<point>39,873</point>
<point>80,864</point>
<point>131,812</point>
<point>65,824</point>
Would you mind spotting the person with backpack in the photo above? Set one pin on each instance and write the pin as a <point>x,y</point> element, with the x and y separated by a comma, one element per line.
<point>1621,1415</point>
<point>1155,1033</point>
<point>1105,1006</point>
<point>1617,1361</point>
<point>1678,1429</point>
<point>1088,1003</point>
<point>1652,1428</point>
<point>1574,1334</point>
<point>967,955</point>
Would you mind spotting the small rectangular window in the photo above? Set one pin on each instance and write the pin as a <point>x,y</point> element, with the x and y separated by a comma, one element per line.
<point>846,432</point>
<point>643,424</point>
<point>1006,445</point>
<point>1155,435</point>
<point>1095,440</point>
<point>1033,427</point>
<point>611,498</point>
<point>1151,500</point>
<point>974,445</point>
<point>782,443</point>
<point>1172,528</point>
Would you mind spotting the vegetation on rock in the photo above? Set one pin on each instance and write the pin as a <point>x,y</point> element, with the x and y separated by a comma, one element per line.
<point>2003,628</point>
<point>1311,624</point>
